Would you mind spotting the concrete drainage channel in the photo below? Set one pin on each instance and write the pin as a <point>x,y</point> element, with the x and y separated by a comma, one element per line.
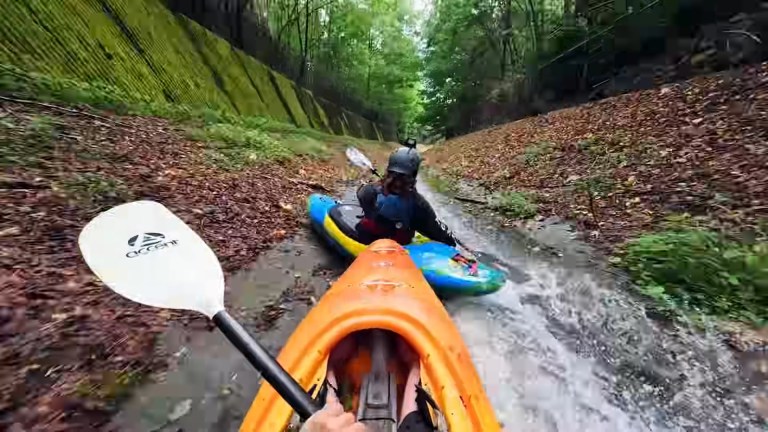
<point>561,347</point>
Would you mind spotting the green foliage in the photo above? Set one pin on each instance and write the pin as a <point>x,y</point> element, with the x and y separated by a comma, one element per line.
<point>441,182</point>
<point>482,51</point>
<point>589,143</point>
<point>534,153</point>
<point>235,147</point>
<point>517,205</point>
<point>594,185</point>
<point>110,387</point>
<point>701,271</point>
<point>26,143</point>
<point>483,57</point>
<point>94,189</point>
<point>605,152</point>
<point>367,45</point>
<point>44,87</point>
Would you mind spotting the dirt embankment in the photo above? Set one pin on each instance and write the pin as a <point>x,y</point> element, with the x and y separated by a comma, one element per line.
<point>68,346</point>
<point>620,166</point>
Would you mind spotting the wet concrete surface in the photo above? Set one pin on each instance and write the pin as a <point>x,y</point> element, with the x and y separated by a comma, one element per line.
<point>570,348</point>
<point>210,386</point>
<point>562,347</point>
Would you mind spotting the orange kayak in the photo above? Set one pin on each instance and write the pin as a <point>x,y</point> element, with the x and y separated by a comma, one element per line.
<point>380,301</point>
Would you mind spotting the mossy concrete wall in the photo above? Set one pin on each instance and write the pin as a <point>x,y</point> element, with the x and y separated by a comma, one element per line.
<point>146,50</point>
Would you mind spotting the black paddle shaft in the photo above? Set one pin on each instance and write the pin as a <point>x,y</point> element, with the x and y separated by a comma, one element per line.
<point>270,369</point>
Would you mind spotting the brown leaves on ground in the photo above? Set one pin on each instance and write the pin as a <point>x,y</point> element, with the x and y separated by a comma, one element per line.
<point>699,146</point>
<point>68,345</point>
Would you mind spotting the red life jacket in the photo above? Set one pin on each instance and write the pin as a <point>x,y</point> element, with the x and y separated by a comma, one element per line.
<point>400,235</point>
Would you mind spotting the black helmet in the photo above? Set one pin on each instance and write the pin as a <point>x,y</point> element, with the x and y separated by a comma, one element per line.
<point>404,161</point>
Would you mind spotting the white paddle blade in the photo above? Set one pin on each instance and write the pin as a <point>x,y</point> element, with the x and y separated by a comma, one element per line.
<point>358,158</point>
<point>145,253</point>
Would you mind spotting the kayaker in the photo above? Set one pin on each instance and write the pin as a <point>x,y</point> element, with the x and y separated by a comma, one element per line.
<point>392,208</point>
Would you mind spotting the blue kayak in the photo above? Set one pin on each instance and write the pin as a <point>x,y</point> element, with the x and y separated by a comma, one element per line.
<point>444,267</point>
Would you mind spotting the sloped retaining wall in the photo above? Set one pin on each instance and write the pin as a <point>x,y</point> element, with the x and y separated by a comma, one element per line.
<point>146,50</point>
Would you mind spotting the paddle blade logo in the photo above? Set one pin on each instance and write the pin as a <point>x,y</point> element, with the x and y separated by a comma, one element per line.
<point>147,243</point>
<point>147,239</point>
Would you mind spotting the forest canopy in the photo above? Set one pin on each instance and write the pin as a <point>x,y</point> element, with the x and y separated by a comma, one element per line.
<point>489,61</point>
<point>482,51</point>
<point>368,45</point>
<point>452,66</point>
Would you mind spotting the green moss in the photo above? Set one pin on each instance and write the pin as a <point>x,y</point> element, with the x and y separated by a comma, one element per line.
<point>235,147</point>
<point>312,109</point>
<point>44,87</point>
<point>517,205</point>
<point>94,189</point>
<point>151,58</point>
<point>110,387</point>
<point>26,143</point>
<point>165,47</point>
<point>322,116</point>
<point>285,86</point>
<point>259,75</point>
<point>223,62</point>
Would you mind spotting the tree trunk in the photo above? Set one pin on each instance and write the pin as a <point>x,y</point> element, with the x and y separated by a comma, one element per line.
<point>300,73</point>
<point>329,45</point>
<point>305,53</point>
<point>508,39</point>
<point>370,56</point>
<point>568,13</point>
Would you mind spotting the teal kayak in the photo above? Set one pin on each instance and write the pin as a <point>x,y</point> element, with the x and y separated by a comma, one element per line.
<point>448,271</point>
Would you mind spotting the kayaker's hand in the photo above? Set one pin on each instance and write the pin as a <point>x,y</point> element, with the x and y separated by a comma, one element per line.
<point>332,418</point>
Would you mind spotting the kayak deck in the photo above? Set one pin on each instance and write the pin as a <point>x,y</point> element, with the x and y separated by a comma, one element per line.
<point>383,290</point>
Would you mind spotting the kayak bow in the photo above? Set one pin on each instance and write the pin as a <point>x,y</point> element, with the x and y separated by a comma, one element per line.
<point>383,290</point>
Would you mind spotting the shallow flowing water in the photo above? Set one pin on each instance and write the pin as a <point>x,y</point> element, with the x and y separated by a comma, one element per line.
<point>563,347</point>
